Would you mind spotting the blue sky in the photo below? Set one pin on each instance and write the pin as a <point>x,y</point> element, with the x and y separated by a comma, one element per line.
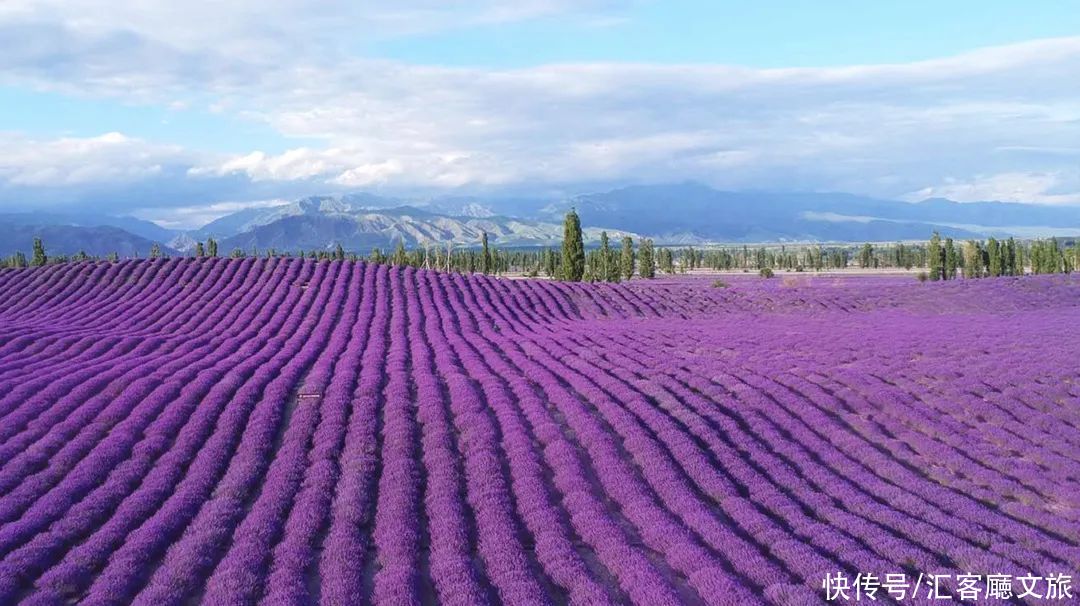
<point>786,33</point>
<point>178,113</point>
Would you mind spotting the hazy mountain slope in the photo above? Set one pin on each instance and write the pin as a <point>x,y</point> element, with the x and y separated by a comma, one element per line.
<point>144,229</point>
<point>250,218</point>
<point>459,208</point>
<point>687,213</point>
<point>68,240</point>
<point>696,211</point>
<point>363,230</point>
<point>996,214</point>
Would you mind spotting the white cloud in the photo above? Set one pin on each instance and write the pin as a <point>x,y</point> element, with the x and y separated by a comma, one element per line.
<point>370,174</point>
<point>248,29</point>
<point>191,217</point>
<point>68,161</point>
<point>886,130</point>
<point>1042,188</point>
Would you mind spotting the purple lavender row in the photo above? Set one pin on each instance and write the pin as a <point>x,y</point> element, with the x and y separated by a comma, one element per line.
<point>41,448</point>
<point>939,532</point>
<point>452,546</point>
<point>397,535</point>
<point>85,514</point>
<point>1047,464</point>
<point>124,285</point>
<point>64,284</point>
<point>759,426</point>
<point>752,393</point>
<point>341,565</point>
<point>294,558</point>
<point>1000,519</point>
<point>636,422</point>
<point>73,450</point>
<point>56,352</point>
<point>112,496</point>
<point>708,581</point>
<point>929,536</point>
<point>713,530</point>
<point>26,294</point>
<point>643,584</point>
<point>475,396</point>
<point>40,336</point>
<point>241,572</point>
<point>145,538</point>
<point>64,369</point>
<point>955,501</point>
<point>208,519</point>
<point>769,488</point>
<point>159,285</point>
<point>103,368</point>
<point>554,546</point>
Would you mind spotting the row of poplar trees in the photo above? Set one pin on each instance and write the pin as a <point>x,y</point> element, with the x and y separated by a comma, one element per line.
<point>604,264</point>
<point>39,258</point>
<point>946,261</point>
<point>993,258</point>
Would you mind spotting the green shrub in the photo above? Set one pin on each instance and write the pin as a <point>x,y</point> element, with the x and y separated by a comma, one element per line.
<point>766,272</point>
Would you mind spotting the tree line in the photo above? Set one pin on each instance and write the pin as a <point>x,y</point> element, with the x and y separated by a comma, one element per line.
<point>992,258</point>
<point>603,264</point>
<point>943,258</point>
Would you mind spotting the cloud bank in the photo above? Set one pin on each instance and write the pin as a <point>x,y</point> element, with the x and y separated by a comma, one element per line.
<point>995,123</point>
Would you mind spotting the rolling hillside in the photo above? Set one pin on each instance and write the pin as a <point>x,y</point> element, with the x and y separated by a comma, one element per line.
<point>288,431</point>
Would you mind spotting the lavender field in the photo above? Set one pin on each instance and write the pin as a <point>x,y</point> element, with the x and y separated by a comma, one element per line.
<point>282,431</point>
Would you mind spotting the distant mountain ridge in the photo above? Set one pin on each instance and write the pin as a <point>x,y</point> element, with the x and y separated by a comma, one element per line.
<point>69,240</point>
<point>323,222</point>
<point>147,230</point>
<point>674,214</point>
<point>692,212</point>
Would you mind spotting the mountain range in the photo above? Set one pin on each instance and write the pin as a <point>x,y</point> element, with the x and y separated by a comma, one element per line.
<point>323,222</point>
<point>69,240</point>
<point>687,213</point>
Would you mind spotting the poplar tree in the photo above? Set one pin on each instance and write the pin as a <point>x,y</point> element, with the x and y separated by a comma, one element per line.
<point>211,247</point>
<point>551,263</point>
<point>993,251</point>
<point>935,257</point>
<point>605,257</point>
<point>951,259</point>
<point>339,252</point>
<point>38,259</point>
<point>646,262</point>
<point>972,260</point>
<point>400,256</point>
<point>573,248</point>
<point>665,260</point>
<point>485,261</point>
<point>155,251</point>
<point>627,264</point>
<point>866,256</point>
<point>199,250</point>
